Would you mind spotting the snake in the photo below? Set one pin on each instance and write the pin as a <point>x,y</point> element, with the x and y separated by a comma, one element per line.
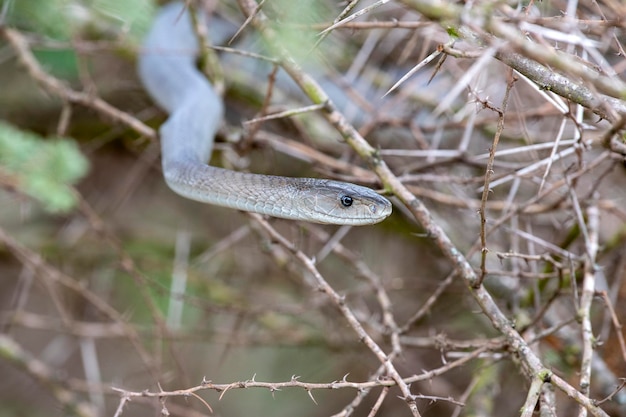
<point>168,71</point>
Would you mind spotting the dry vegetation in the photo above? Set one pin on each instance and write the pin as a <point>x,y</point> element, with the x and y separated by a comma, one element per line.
<point>496,288</point>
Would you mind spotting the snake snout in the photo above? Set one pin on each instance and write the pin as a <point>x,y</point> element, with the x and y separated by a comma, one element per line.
<point>381,209</point>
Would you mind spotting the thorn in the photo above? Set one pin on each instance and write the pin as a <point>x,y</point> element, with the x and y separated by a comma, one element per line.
<point>311,395</point>
<point>225,390</point>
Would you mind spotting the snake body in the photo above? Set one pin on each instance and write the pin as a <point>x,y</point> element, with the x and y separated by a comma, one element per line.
<point>168,71</point>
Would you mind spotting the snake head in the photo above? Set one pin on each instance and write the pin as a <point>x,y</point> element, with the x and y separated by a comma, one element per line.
<point>337,202</point>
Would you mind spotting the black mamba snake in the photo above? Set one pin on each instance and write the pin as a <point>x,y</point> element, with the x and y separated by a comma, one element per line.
<point>168,70</point>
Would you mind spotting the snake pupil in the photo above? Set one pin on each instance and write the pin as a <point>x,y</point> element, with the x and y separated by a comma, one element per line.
<point>346,200</point>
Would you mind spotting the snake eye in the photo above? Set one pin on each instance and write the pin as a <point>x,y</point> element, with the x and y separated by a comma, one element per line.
<point>346,200</point>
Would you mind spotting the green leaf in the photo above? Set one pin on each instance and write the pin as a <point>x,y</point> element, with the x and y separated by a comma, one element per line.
<point>62,19</point>
<point>43,169</point>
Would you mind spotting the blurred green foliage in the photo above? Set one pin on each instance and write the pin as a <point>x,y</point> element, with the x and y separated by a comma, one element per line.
<point>50,18</point>
<point>64,20</point>
<point>42,169</point>
<point>296,15</point>
<point>61,19</point>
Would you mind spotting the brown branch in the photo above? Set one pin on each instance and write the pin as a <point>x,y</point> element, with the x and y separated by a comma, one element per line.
<point>586,298</point>
<point>486,187</point>
<point>59,89</point>
<point>296,383</point>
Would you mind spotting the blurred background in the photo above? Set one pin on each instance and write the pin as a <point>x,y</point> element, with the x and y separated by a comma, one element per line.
<point>113,284</point>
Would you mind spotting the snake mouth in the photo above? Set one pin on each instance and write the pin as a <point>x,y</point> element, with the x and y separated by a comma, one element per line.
<point>371,214</point>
